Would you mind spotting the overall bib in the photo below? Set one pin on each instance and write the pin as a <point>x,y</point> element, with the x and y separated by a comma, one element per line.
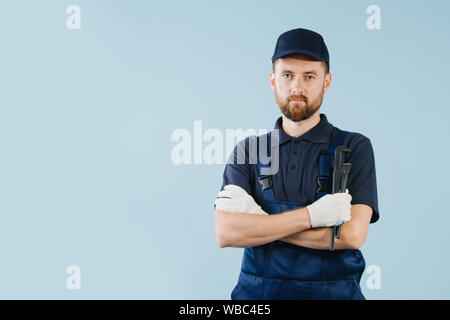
<point>280,270</point>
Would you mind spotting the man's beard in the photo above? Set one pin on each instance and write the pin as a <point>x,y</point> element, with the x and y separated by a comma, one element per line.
<point>298,111</point>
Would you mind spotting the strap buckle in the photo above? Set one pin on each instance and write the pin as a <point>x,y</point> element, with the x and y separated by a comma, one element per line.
<point>324,184</point>
<point>266,182</point>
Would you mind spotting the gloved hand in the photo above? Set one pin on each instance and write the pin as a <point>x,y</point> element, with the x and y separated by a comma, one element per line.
<point>330,210</point>
<point>235,199</point>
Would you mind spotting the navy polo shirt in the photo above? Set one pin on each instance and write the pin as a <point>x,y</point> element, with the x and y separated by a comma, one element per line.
<point>296,179</point>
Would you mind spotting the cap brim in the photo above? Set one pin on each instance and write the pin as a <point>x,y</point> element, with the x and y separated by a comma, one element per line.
<point>292,52</point>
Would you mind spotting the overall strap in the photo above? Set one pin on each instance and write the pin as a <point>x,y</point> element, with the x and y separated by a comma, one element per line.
<point>326,164</point>
<point>265,181</point>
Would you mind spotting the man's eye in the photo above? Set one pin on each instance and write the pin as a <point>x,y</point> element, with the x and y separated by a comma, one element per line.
<point>286,75</point>
<point>310,77</point>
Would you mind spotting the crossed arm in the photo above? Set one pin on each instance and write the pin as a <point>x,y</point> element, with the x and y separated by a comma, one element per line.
<point>353,233</point>
<point>242,230</point>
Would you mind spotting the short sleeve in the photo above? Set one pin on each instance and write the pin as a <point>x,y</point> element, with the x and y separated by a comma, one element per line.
<point>238,170</point>
<point>362,184</point>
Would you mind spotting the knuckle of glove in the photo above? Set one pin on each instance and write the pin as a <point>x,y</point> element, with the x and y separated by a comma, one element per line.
<point>234,189</point>
<point>223,194</point>
<point>220,205</point>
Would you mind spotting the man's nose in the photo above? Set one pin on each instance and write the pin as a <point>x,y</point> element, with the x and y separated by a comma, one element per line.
<point>297,87</point>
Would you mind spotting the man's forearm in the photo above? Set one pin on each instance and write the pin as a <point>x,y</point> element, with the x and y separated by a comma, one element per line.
<point>234,229</point>
<point>353,233</point>
<point>318,238</point>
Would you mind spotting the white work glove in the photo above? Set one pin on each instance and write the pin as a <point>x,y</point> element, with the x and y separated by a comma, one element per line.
<point>330,210</point>
<point>235,199</point>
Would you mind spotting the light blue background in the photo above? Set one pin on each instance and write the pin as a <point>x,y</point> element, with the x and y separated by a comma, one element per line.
<point>86,118</point>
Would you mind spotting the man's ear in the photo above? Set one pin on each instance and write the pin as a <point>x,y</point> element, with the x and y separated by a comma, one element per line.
<point>327,81</point>
<point>272,80</point>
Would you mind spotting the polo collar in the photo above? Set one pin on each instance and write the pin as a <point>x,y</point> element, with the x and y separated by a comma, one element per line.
<point>320,133</point>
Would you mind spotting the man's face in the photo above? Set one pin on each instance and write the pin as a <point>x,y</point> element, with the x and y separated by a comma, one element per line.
<point>299,84</point>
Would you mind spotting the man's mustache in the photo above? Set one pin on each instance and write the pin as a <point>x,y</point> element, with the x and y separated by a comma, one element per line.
<point>297,98</point>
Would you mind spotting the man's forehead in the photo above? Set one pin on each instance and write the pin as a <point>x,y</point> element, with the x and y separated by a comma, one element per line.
<point>303,62</point>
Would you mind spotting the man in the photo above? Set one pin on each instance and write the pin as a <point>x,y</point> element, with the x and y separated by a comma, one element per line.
<point>283,218</point>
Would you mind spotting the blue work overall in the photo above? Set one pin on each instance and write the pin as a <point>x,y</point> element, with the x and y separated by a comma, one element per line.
<point>280,270</point>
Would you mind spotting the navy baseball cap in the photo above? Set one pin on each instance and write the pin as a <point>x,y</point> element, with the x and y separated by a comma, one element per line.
<point>301,41</point>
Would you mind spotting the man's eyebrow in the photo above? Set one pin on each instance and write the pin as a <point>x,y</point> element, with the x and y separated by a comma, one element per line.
<point>287,71</point>
<point>306,72</point>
